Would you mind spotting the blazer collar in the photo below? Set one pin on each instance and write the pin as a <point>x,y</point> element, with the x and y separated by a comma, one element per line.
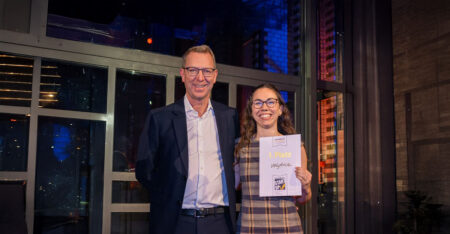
<point>222,129</point>
<point>180,128</point>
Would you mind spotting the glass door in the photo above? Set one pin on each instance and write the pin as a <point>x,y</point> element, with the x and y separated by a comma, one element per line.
<point>330,118</point>
<point>331,158</point>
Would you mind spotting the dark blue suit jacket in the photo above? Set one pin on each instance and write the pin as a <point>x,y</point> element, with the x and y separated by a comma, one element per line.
<point>162,164</point>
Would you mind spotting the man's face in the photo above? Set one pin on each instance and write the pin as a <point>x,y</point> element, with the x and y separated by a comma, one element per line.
<point>199,86</point>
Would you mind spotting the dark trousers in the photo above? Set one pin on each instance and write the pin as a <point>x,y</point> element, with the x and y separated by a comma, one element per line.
<point>216,224</point>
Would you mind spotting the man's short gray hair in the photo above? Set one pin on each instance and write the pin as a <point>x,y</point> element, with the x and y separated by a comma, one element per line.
<point>199,49</point>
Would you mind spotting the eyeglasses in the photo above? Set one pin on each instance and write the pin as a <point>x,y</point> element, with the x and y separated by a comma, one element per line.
<point>193,71</point>
<point>258,104</point>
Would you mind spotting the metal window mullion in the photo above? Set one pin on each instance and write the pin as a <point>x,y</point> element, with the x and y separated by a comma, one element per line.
<point>123,176</point>
<point>330,86</point>
<point>108,157</point>
<point>170,87</point>
<point>38,18</point>
<point>14,110</point>
<point>32,146</point>
<point>72,114</point>
<point>130,208</point>
<point>13,175</point>
<point>310,65</point>
<point>232,94</point>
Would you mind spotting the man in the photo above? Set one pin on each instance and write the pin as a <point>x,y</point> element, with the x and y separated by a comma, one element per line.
<point>186,155</point>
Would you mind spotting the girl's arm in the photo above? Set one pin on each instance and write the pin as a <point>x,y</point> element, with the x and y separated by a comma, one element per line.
<point>304,176</point>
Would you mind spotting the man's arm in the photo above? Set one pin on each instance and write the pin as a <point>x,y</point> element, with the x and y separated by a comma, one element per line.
<point>148,146</point>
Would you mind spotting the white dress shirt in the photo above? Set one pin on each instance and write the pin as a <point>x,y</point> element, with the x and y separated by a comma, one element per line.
<point>206,185</point>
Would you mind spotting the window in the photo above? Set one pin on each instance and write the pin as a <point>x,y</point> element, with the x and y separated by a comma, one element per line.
<point>257,34</point>
<point>327,42</point>
<point>130,223</point>
<point>69,176</point>
<point>16,75</point>
<point>13,142</point>
<point>128,192</point>
<point>219,92</point>
<point>331,160</point>
<point>136,94</point>
<point>71,86</point>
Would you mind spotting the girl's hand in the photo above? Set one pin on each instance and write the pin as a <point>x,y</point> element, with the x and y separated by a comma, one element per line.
<point>305,178</point>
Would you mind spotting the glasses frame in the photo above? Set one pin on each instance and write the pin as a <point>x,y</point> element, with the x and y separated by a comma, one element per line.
<point>257,106</point>
<point>197,71</point>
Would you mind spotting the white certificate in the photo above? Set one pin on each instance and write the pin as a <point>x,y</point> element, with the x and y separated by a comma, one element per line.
<point>278,157</point>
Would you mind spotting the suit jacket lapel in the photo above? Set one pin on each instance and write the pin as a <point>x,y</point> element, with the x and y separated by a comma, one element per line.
<point>221,122</point>
<point>180,128</point>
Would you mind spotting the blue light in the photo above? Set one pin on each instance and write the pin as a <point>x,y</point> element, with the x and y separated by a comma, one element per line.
<point>277,49</point>
<point>284,95</point>
<point>61,139</point>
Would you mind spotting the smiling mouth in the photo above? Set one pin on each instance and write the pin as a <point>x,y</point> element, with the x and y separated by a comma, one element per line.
<point>265,116</point>
<point>200,86</point>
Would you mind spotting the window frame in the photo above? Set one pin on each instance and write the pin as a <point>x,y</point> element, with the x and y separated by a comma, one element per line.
<point>38,46</point>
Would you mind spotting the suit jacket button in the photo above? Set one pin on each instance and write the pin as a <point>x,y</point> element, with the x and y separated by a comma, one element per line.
<point>180,202</point>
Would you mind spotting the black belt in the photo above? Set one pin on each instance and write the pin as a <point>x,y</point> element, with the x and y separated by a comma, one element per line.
<point>202,212</point>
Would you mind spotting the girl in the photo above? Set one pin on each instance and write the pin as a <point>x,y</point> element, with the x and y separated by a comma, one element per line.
<point>266,115</point>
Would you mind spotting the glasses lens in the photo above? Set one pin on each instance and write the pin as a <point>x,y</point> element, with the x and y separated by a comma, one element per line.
<point>192,71</point>
<point>258,104</point>
<point>207,72</point>
<point>271,102</point>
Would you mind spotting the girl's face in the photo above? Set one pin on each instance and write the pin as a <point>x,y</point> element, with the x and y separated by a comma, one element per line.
<point>266,108</point>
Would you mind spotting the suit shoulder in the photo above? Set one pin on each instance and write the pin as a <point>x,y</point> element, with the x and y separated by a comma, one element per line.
<point>162,111</point>
<point>166,113</point>
<point>222,107</point>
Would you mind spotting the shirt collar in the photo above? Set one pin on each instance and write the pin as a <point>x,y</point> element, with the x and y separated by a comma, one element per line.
<point>190,110</point>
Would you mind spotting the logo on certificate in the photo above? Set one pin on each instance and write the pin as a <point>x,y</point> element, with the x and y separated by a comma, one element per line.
<point>279,184</point>
<point>279,141</point>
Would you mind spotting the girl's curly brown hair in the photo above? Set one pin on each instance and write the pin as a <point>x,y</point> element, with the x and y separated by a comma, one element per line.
<point>248,124</point>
